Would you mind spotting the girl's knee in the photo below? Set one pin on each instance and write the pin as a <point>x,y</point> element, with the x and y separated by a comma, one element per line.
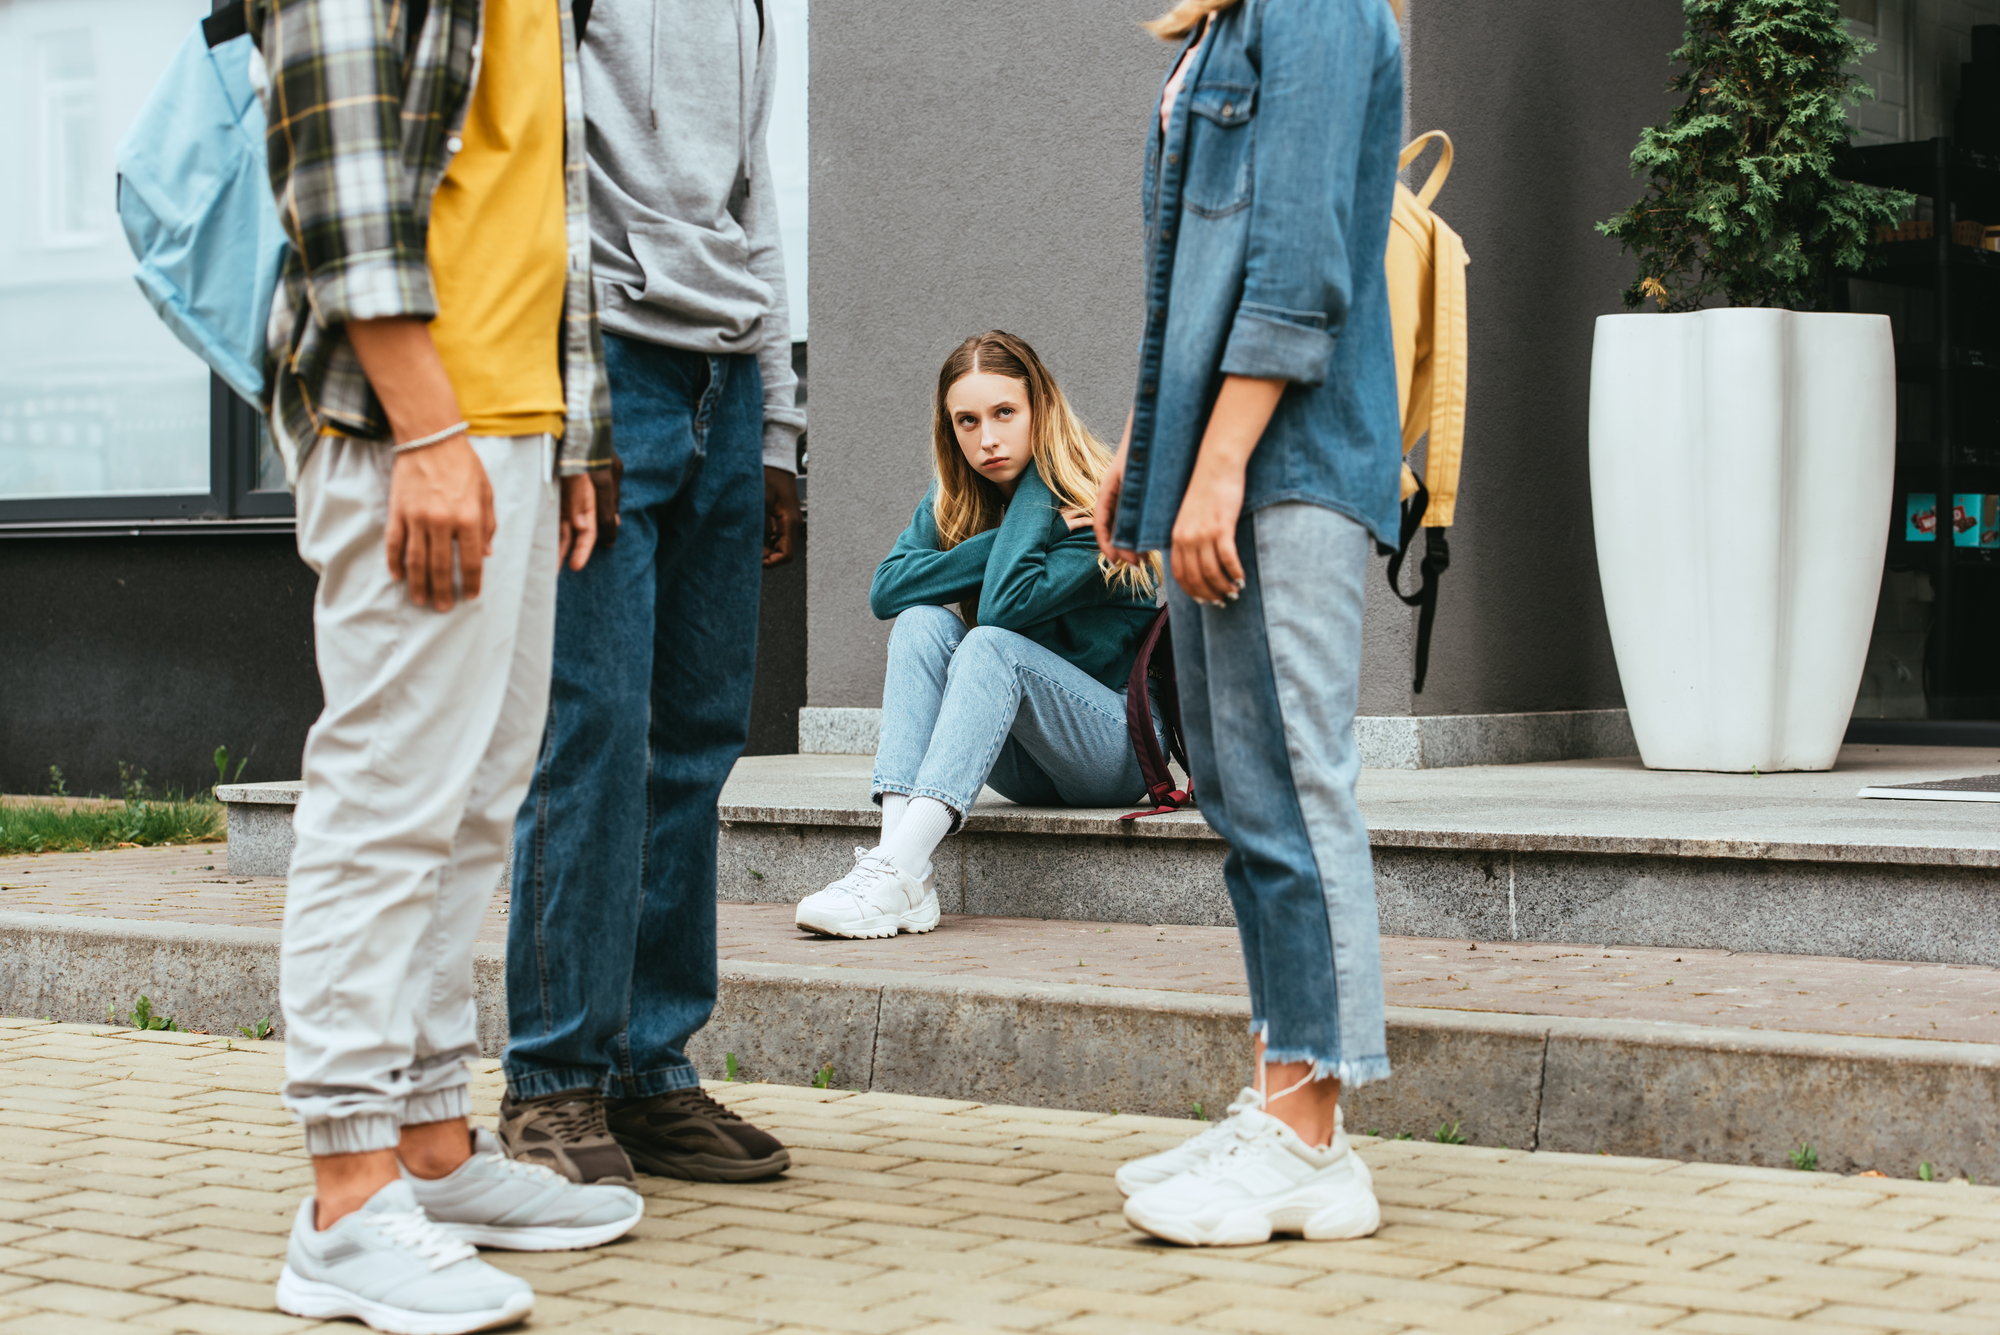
<point>920,628</point>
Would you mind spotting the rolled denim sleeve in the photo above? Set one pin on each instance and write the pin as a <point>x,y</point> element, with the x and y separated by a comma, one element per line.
<point>335,150</point>
<point>1313,92</point>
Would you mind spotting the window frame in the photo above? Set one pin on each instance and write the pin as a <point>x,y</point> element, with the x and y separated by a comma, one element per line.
<point>232,503</point>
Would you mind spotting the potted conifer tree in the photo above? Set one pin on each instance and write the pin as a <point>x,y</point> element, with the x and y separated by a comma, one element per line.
<point>1742,436</point>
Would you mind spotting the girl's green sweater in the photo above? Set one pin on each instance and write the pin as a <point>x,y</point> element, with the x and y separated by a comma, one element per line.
<point>1031,575</point>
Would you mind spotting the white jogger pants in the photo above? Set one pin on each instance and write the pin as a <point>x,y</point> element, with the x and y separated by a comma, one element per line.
<point>412,778</point>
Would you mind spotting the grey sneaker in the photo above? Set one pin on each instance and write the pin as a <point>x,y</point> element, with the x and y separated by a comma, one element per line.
<point>565,1132</point>
<point>491,1200</point>
<point>393,1268</point>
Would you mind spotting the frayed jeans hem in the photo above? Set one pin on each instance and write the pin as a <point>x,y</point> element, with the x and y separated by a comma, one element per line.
<point>1350,1074</point>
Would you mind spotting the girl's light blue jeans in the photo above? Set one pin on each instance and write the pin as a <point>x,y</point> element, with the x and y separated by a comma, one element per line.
<point>1268,686</point>
<point>965,708</point>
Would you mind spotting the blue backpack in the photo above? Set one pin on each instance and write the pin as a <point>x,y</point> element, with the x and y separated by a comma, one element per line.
<point>194,194</point>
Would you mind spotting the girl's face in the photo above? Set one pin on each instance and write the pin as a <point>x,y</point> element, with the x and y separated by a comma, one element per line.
<point>989,414</point>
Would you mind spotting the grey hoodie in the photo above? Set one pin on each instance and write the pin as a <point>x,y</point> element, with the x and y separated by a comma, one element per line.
<point>683,216</point>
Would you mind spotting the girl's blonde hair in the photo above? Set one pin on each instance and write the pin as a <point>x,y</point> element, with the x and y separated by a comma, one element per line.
<point>1068,458</point>
<point>1188,15</point>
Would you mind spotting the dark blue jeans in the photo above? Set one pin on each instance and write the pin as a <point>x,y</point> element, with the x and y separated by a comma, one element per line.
<point>611,939</point>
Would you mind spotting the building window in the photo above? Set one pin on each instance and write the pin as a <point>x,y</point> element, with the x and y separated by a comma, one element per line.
<point>105,418</point>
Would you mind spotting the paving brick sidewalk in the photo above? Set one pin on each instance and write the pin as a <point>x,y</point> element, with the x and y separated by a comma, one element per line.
<point>1786,992</point>
<point>147,1182</point>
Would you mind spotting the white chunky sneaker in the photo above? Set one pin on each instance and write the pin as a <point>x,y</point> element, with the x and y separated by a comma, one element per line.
<point>491,1200</point>
<point>389,1265</point>
<point>1265,1180</point>
<point>876,899</point>
<point>1157,1168</point>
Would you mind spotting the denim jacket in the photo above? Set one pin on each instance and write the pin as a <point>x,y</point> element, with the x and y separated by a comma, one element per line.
<point>1267,206</point>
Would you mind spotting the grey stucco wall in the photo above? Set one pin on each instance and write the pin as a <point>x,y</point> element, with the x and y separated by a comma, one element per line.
<point>1544,101</point>
<point>977,166</point>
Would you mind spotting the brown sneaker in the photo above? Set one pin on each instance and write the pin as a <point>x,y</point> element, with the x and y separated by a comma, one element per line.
<point>688,1134</point>
<point>565,1132</point>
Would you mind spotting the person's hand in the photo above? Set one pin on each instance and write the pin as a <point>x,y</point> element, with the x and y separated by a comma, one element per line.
<point>577,532</point>
<point>1077,517</point>
<point>1205,561</point>
<point>1105,511</point>
<point>440,505</point>
<point>607,480</point>
<point>782,520</point>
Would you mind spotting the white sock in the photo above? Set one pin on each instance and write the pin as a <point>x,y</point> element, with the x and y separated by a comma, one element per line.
<point>893,807</point>
<point>923,827</point>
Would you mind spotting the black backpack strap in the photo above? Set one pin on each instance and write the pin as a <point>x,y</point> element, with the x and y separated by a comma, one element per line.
<point>228,21</point>
<point>579,12</point>
<point>1437,556</point>
<point>1156,660</point>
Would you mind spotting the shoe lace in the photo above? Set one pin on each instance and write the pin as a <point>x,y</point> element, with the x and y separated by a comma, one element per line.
<point>870,868</point>
<point>702,1104</point>
<point>413,1231</point>
<point>575,1119</point>
<point>1246,1101</point>
<point>1242,1141</point>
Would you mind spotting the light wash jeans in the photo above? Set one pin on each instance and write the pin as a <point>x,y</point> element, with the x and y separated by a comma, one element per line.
<point>412,777</point>
<point>965,708</point>
<point>1268,688</point>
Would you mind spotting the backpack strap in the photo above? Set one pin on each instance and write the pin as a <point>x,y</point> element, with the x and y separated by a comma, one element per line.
<point>1437,556</point>
<point>1139,720</point>
<point>1435,182</point>
<point>227,22</point>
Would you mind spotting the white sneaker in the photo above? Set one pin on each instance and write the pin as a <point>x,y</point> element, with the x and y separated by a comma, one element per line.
<point>876,899</point>
<point>1264,1181</point>
<point>1157,1168</point>
<point>491,1200</point>
<point>389,1265</point>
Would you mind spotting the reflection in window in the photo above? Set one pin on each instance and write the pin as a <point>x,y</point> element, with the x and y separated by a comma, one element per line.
<point>72,179</point>
<point>97,398</point>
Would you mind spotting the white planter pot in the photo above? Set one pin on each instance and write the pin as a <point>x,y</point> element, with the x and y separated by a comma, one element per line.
<point>1741,467</point>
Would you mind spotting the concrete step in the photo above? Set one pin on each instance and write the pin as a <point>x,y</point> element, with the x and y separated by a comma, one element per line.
<point>1589,850</point>
<point>1707,1092</point>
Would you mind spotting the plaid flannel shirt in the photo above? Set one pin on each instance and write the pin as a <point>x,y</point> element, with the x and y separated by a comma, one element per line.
<point>363,113</point>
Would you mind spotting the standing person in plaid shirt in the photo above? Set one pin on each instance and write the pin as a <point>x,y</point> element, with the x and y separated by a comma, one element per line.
<point>440,398</point>
<point>611,936</point>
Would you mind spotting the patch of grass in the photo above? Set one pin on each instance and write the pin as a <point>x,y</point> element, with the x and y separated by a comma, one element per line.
<point>1805,1158</point>
<point>63,824</point>
<point>729,1067</point>
<point>1449,1134</point>
<point>1200,1113</point>
<point>261,1029</point>
<point>1926,1173</point>
<point>142,1017</point>
<point>823,1078</point>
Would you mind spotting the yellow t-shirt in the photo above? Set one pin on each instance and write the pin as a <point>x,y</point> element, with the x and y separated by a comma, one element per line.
<point>498,245</point>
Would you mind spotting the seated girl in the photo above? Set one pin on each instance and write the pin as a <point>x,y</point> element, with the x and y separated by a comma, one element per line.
<point>1024,688</point>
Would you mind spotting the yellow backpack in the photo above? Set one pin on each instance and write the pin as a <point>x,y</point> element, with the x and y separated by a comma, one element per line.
<point>1426,263</point>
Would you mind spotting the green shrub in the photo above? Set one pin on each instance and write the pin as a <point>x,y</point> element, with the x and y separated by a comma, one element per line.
<point>1743,198</point>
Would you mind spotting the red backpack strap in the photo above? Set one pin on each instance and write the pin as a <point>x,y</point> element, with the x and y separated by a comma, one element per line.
<point>1153,765</point>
